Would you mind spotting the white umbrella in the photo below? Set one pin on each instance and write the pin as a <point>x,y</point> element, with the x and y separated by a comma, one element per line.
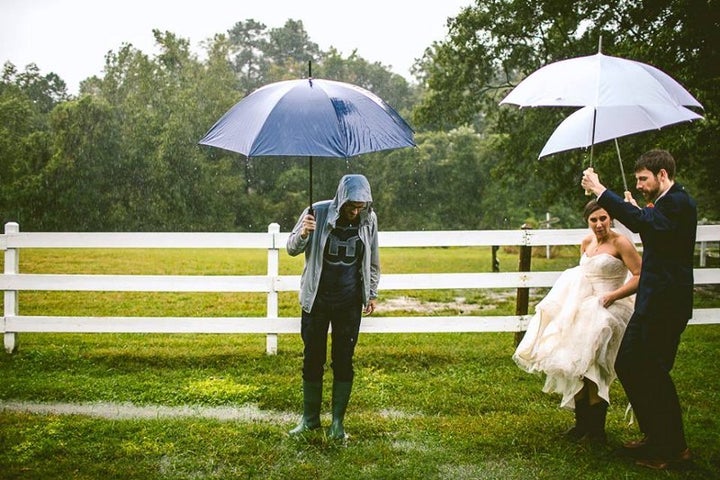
<point>576,130</point>
<point>619,97</point>
<point>598,80</point>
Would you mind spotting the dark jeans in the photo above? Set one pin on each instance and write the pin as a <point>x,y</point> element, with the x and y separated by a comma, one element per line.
<point>345,321</point>
<point>646,356</point>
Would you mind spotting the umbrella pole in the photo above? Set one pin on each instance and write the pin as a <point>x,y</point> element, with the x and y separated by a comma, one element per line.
<point>310,209</point>
<point>592,139</point>
<point>622,169</point>
<point>310,196</point>
<point>592,147</point>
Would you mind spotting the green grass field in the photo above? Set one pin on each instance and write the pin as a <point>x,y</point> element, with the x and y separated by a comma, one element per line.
<point>424,406</point>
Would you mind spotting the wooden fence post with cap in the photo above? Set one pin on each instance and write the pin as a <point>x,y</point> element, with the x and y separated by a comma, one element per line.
<point>10,309</point>
<point>523,294</point>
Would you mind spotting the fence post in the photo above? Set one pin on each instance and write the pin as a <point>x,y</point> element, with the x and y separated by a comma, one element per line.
<point>547,225</point>
<point>495,261</point>
<point>273,270</point>
<point>12,266</point>
<point>523,294</point>
<point>703,246</point>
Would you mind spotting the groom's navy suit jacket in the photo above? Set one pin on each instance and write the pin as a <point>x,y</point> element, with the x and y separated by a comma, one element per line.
<point>668,231</point>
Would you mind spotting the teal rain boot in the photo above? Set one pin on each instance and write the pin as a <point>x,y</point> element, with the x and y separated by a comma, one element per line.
<point>340,399</point>
<point>312,399</point>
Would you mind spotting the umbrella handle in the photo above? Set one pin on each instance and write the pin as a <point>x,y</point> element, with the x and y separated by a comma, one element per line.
<point>588,193</point>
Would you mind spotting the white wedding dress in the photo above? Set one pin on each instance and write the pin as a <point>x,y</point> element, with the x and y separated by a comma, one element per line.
<point>572,336</point>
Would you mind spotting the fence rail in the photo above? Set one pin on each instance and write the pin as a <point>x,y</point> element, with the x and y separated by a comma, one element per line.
<point>12,282</point>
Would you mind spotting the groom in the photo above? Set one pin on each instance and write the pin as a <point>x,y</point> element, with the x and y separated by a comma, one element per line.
<point>663,304</point>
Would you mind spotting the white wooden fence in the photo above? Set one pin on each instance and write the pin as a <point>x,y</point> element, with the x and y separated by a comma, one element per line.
<point>13,281</point>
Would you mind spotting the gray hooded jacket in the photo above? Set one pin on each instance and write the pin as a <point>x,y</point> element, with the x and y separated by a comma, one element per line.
<point>352,188</point>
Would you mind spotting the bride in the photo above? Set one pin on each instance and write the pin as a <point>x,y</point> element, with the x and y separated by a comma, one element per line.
<point>574,336</point>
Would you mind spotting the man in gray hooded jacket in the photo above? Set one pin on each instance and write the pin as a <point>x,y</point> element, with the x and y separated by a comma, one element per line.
<point>339,282</point>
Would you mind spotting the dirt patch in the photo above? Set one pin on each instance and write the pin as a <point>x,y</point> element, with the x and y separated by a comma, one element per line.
<point>409,304</point>
<point>459,304</point>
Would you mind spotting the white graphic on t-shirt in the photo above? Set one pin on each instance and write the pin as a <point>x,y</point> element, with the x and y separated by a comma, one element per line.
<point>341,251</point>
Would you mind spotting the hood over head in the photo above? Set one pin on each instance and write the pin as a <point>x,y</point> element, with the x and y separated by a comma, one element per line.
<point>352,188</point>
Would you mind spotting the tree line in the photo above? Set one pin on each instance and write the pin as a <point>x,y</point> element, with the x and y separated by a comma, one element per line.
<point>122,154</point>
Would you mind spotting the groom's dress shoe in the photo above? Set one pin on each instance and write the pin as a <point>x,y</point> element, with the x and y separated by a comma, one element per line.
<point>679,460</point>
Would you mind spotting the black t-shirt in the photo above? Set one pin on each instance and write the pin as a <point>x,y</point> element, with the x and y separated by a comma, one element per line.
<point>340,281</point>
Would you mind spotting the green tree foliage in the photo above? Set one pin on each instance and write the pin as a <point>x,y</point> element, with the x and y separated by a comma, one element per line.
<point>437,186</point>
<point>248,43</point>
<point>494,44</point>
<point>289,51</point>
<point>123,154</point>
<point>448,182</point>
<point>26,98</point>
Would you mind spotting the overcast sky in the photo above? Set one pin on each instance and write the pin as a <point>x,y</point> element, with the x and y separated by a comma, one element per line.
<point>71,37</point>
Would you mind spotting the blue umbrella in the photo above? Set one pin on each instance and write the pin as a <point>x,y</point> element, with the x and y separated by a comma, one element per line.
<point>312,117</point>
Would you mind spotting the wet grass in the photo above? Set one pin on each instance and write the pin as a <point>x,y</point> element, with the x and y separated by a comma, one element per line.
<point>431,406</point>
<point>424,406</point>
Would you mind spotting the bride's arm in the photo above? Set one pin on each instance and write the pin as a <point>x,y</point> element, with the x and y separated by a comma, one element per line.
<point>631,259</point>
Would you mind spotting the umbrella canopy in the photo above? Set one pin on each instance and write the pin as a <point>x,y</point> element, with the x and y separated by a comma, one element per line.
<point>599,81</point>
<point>322,118</point>
<point>576,131</point>
<point>619,97</point>
<point>310,117</point>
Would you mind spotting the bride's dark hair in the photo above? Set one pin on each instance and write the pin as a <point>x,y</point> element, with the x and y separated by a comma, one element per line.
<point>590,207</point>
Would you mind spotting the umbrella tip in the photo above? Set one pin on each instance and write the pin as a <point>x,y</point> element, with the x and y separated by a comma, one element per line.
<point>600,44</point>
